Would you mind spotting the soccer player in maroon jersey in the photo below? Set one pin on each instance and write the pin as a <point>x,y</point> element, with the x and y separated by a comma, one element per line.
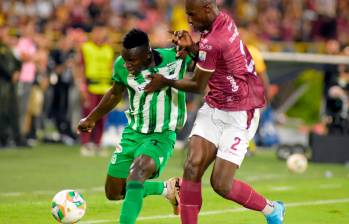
<point>229,118</point>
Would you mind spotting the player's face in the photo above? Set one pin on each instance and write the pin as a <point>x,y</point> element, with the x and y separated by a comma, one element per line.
<point>136,59</point>
<point>197,16</point>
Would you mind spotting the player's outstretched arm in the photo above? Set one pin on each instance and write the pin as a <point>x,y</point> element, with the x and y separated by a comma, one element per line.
<point>196,84</point>
<point>108,102</point>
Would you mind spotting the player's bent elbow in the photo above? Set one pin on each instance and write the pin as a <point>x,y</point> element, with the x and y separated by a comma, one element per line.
<point>201,88</point>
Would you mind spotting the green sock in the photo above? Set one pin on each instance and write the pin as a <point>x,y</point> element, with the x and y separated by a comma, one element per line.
<point>153,188</point>
<point>133,202</point>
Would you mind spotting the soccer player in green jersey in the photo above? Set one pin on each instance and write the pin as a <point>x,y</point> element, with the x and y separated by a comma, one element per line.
<point>148,140</point>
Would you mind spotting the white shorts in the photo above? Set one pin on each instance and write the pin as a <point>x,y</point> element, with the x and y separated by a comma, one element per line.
<point>227,130</point>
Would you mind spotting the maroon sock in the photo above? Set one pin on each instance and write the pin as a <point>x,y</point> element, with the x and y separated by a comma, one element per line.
<point>246,196</point>
<point>190,201</point>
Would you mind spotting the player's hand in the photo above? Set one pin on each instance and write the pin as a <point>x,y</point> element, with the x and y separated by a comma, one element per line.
<point>183,41</point>
<point>157,82</point>
<point>85,125</point>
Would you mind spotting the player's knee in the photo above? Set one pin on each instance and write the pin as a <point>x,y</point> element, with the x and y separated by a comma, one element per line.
<point>193,166</point>
<point>141,170</point>
<point>221,186</point>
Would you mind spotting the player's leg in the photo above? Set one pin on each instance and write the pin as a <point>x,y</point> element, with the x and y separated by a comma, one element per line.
<point>200,156</point>
<point>169,189</point>
<point>223,182</point>
<point>160,147</point>
<point>141,169</point>
<point>232,149</point>
<point>202,151</point>
<point>151,158</point>
<point>115,188</point>
<point>119,166</point>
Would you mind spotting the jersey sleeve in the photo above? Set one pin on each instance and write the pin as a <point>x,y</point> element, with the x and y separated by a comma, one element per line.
<point>117,68</point>
<point>208,54</point>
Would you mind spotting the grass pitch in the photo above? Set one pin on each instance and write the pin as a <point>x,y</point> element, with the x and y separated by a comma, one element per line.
<point>30,178</point>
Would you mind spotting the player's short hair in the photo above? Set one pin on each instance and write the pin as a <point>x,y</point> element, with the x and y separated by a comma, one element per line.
<point>135,38</point>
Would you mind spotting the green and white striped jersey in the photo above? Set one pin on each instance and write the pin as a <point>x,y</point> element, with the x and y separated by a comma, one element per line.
<point>158,111</point>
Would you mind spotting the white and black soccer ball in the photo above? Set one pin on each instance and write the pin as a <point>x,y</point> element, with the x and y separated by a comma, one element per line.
<point>68,206</point>
<point>297,163</point>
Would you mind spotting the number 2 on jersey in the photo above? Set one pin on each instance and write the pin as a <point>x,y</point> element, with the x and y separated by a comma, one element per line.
<point>237,141</point>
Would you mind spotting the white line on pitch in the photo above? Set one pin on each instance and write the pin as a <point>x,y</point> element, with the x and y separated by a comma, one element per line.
<point>17,194</point>
<point>282,188</point>
<point>101,189</point>
<point>217,212</point>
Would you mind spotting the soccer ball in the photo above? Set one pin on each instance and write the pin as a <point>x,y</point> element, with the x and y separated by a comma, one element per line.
<point>68,206</point>
<point>297,163</point>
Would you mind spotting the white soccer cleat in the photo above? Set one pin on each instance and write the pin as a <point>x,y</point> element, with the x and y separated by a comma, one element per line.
<point>86,151</point>
<point>172,193</point>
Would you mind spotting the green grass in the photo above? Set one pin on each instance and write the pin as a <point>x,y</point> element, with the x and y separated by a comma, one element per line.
<point>30,178</point>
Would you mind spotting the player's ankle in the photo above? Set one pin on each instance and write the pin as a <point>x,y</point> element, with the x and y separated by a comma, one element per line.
<point>269,208</point>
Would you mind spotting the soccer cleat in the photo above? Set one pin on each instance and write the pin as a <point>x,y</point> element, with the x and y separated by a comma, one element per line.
<point>172,193</point>
<point>86,151</point>
<point>277,217</point>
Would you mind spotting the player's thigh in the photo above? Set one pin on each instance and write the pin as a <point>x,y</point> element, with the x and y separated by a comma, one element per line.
<point>123,156</point>
<point>234,142</point>
<point>120,162</point>
<point>159,147</point>
<point>201,153</point>
<point>206,126</point>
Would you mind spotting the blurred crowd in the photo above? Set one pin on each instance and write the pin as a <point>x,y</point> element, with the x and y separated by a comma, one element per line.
<point>41,77</point>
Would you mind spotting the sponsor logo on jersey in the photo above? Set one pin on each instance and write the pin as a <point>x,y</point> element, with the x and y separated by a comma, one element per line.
<point>235,34</point>
<point>202,55</point>
<point>204,46</point>
<point>172,66</point>
<point>234,85</point>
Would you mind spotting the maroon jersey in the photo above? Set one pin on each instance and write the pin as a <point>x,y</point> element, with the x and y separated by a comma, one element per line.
<point>234,84</point>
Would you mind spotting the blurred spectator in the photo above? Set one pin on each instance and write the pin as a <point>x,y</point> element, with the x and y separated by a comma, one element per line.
<point>31,122</point>
<point>97,62</point>
<point>62,81</point>
<point>332,47</point>
<point>9,67</point>
<point>178,17</point>
<point>266,134</point>
<point>160,36</point>
<point>270,20</point>
<point>26,50</point>
<point>338,103</point>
